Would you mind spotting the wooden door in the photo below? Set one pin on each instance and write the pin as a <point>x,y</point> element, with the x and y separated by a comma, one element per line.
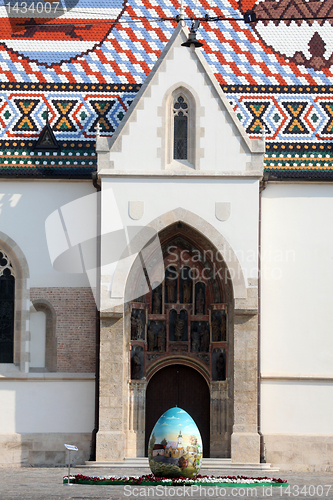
<point>182,386</point>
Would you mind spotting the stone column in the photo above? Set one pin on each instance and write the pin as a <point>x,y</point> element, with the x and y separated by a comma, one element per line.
<point>219,419</point>
<point>137,412</point>
<point>245,440</point>
<point>110,443</point>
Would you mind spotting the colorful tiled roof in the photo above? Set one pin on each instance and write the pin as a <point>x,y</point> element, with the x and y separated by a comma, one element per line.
<point>86,64</point>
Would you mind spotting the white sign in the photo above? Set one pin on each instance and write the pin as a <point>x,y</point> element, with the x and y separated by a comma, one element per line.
<point>71,447</point>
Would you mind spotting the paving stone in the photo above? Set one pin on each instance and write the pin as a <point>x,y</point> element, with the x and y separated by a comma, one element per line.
<point>46,484</point>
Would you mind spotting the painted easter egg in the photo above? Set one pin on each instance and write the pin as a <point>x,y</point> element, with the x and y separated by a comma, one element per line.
<point>175,445</point>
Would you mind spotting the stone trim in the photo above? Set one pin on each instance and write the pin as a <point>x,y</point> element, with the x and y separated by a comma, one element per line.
<point>50,341</point>
<point>179,360</point>
<point>166,131</point>
<point>43,449</point>
<point>296,377</point>
<point>300,452</point>
<point>50,377</point>
<point>245,440</point>
<point>214,236</point>
<point>22,304</point>
<point>113,391</point>
<point>185,173</point>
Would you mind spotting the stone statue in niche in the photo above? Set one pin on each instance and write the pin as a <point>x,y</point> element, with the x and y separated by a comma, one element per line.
<point>134,327</point>
<point>220,367</point>
<point>135,366</point>
<point>151,338</point>
<point>156,301</point>
<point>161,339</point>
<point>171,288</point>
<point>140,327</point>
<point>204,339</point>
<point>200,302</point>
<point>179,328</point>
<point>187,292</point>
<point>195,340</point>
<point>223,327</point>
<point>216,329</point>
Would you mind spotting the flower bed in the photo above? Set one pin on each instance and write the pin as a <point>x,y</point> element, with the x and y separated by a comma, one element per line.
<point>150,480</point>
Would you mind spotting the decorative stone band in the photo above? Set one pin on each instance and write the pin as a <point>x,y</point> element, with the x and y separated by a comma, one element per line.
<point>298,377</point>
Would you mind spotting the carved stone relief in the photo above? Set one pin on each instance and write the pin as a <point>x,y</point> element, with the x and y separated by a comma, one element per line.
<point>156,336</point>
<point>200,337</point>
<point>219,326</point>
<point>219,364</point>
<point>200,299</point>
<point>178,325</point>
<point>138,324</point>
<point>137,363</point>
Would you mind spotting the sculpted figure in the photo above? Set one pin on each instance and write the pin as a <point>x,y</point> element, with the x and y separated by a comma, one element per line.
<point>223,327</point>
<point>187,292</point>
<point>134,327</point>
<point>161,339</point>
<point>156,301</point>
<point>151,338</point>
<point>200,302</point>
<point>204,339</point>
<point>220,367</point>
<point>139,327</point>
<point>171,288</point>
<point>179,328</point>
<point>216,329</point>
<point>195,337</point>
<point>136,366</point>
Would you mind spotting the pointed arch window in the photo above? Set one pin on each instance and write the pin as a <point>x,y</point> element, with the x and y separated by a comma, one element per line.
<point>7,304</point>
<point>180,113</point>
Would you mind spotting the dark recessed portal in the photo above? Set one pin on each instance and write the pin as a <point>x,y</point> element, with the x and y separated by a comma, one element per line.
<point>181,386</point>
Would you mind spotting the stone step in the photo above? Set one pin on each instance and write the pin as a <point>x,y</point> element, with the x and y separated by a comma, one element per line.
<point>207,464</point>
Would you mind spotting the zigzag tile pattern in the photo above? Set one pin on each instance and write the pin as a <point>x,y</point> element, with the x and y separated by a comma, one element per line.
<point>72,115</point>
<point>292,114</point>
<point>128,39</point>
<point>86,67</point>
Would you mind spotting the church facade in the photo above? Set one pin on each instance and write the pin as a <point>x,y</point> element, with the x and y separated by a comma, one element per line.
<point>165,235</point>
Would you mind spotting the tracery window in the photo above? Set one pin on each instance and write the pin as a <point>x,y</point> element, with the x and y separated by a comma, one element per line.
<point>7,304</point>
<point>180,114</point>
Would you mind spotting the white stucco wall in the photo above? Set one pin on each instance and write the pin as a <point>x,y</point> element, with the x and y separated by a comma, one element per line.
<point>46,406</point>
<point>297,407</point>
<point>296,303</point>
<point>24,207</point>
<point>199,196</point>
<point>218,144</point>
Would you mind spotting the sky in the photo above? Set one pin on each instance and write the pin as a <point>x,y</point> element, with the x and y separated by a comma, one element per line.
<point>170,423</point>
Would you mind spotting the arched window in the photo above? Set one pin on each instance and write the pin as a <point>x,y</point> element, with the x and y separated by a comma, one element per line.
<point>37,340</point>
<point>7,307</point>
<point>180,129</point>
<point>43,340</point>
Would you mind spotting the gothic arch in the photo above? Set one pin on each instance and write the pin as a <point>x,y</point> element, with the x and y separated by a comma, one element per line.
<point>22,300</point>
<point>194,131</point>
<point>46,307</point>
<point>154,346</point>
<point>211,234</point>
<point>214,236</point>
<point>174,360</point>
